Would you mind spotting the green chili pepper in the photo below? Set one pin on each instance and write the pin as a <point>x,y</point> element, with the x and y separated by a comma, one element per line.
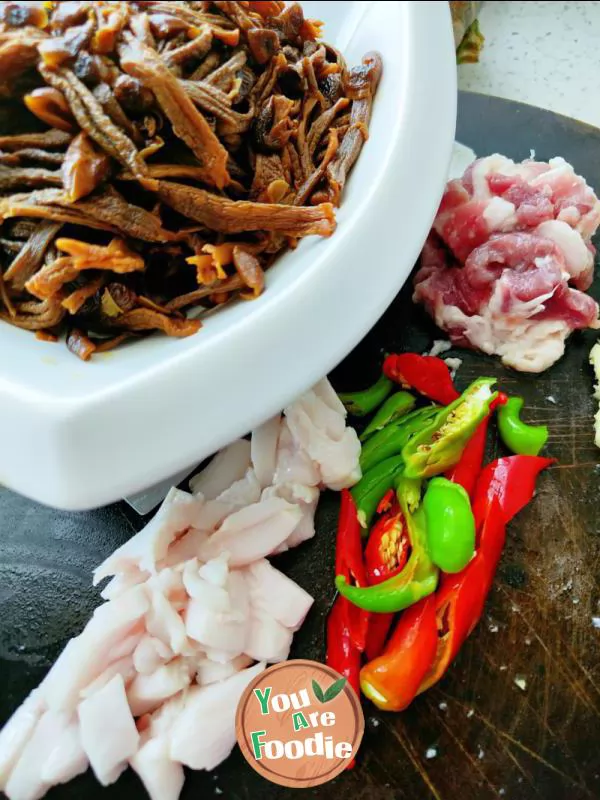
<point>373,485</point>
<point>359,404</point>
<point>450,525</point>
<point>396,406</point>
<point>416,580</point>
<point>523,439</point>
<point>390,440</point>
<point>439,445</point>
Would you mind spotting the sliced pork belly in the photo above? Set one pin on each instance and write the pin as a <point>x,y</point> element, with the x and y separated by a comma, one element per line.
<point>17,731</point>
<point>162,777</point>
<point>149,654</point>
<point>293,465</point>
<point>322,433</point>
<point>265,582</point>
<point>253,532</point>
<point>306,499</point>
<point>263,450</point>
<point>143,551</point>
<point>228,466</point>
<point>209,671</point>
<point>193,743</point>
<point>241,493</point>
<point>506,265</point>
<point>25,781</point>
<point>496,194</point>
<point>511,298</point>
<point>147,692</point>
<point>108,731</point>
<point>87,656</point>
<point>68,758</point>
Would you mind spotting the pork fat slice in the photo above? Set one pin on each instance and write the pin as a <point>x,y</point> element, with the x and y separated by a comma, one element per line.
<point>193,612</point>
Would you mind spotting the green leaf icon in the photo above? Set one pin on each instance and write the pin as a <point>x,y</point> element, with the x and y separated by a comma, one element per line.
<point>333,691</point>
<point>318,692</point>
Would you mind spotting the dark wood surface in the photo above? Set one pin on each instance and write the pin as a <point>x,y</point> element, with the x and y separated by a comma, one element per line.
<point>492,738</point>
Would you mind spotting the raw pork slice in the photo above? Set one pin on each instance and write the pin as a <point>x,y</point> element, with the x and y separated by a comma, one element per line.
<point>509,257</point>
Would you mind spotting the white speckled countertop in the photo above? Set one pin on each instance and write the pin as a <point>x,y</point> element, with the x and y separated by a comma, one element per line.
<point>546,54</point>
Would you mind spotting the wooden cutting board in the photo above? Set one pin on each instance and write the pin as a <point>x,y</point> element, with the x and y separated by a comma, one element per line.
<point>492,738</point>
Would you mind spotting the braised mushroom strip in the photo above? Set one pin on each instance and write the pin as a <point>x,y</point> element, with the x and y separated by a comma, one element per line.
<point>165,153</point>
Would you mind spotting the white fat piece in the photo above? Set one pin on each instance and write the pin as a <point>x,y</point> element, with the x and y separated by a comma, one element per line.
<point>108,731</point>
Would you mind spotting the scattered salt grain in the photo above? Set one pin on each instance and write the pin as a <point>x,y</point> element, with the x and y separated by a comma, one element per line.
<point>501,791</point>
<point>528,641</point>
<point>480,754</point>
<point>532,154</point>
<point>470,713</point>
<point>431,752</point>
<point>443,706</point>
<point>439,346</point>
<point>596,622</point>
<point>503,668</point>
<point>374,722</point>
<point>551,399</point>
<point>453,365</point>
<point>218,791</point>
<point>521,682</point>
<point>514,609</point>
<point>575,601</point>
<point>494,628</point>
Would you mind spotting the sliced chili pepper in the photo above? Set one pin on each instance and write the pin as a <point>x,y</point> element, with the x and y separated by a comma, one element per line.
<point>468,468</point>
<point>419,577</point>
<point>373,486</point>
<point>379,628</point>
<point>349,562</point>
<point>429,375</point>
<point>394,408</point>
<point>440,444</point>
<point>386,502</point>
<point>526,440</point>
<point>390,440</point>
<point>359,404</point>
<point>392,680</point>
<point>511,480</point>
<point>460,600</point>
<point>386,554</point>
<point>341,653</point>
<point>450,525</point>
<point>502,491</point>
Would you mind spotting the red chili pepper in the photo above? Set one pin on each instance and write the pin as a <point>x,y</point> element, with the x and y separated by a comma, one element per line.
<point>386,554</point>
<point>341,654</point>
<point>379,627</point>
<point>392,680</point>
<point>429,375</point>
<point>500,400</point>
<point>512,481</point>
<point>505,487</point>
<point>387,501</point>
<point>467,471</point>
<point>349,563</point>
<point>460,600</point>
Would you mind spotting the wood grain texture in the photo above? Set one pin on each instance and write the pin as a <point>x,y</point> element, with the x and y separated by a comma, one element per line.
<point>492,739</point>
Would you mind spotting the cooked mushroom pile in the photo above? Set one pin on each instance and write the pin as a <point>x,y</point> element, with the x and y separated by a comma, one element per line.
<point>165,153</point>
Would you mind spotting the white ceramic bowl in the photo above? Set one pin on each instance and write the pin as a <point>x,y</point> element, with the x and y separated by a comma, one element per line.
<point>77,435</point>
